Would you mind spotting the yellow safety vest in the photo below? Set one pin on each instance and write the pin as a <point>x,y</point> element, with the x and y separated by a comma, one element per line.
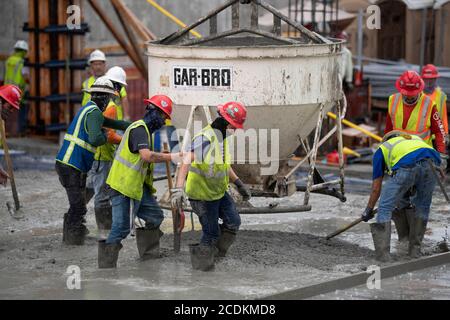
<point>396,148</point>
<point>208,180</point>
<point>13,70</point>
<point>106,151</point>
<point>129,172</point>
<point>419,122</point>
<point>439,98</point>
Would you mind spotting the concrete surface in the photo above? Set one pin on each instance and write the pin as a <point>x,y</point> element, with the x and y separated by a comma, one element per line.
<point>273,253</point>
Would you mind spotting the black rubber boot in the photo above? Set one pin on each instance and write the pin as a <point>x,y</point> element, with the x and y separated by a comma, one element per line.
<point>399,216</point>
<point>202,256</point>
<point>147,241</point>
<point>103,217</point>
<point>416,235</point>
<point>75,235</point>
<point>226,239</point>
<point>381,234</point>
<point>65,227</point>
<point>108,254</point>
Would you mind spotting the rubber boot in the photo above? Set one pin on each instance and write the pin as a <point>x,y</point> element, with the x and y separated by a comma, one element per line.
<point>416,235</point>
<point>75,235</point>
<point>147,241</point>
<point>202,256</point>
<point>401,224</point>
<point>103,217</point>
<point>381,234</point>
<point>108,254</point>
<point>226,239</point>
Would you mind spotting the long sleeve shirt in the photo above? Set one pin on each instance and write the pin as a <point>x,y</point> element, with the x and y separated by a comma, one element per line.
<point>94,123</point>
<point>111,135</point>
<point>436,126</point>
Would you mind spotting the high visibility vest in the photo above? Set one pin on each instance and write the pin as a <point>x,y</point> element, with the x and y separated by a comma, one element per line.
<point>129,173</point>
<point>106,151</point>
<point>76,150</point>
<point>439,98</point>
<point>208,180</point>
<point>396,148</point>
<point>87,96</point>
<point>13,70</point>
<point>419,122</point>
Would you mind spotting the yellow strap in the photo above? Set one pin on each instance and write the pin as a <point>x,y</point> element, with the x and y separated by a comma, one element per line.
<point>173,18</point>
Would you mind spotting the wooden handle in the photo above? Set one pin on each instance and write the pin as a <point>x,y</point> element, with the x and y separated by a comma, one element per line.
<point>9,166</point>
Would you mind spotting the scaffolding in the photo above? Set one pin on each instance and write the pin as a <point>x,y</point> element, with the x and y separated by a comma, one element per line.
<point>320,13</point>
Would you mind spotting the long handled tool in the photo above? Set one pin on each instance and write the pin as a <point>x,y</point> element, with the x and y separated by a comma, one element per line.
<point>439,181</point>
<point>351,225</point>
<point>177,213</point>
<point>9,166</point>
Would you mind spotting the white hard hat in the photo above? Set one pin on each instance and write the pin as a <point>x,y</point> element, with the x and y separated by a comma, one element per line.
<point>21,44</point>
<point>97,55</point>
<point>117,74</point>
<point>102,84</point>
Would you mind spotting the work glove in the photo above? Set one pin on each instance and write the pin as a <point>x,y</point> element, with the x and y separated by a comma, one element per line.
<point>350,86</point>
<point>3,177</point>
<point>243,190</point>
<point>177,198</point>
<point>368,214</point>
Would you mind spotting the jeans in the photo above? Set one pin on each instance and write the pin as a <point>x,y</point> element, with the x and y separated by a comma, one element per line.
<point>147,209</point>
<point>74,181</point>
<point>419,176</point>
<point>96,180</point>
<point>209,213</point>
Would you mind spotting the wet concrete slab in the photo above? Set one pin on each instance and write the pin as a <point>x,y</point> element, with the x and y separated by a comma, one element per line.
<point>273,253</point>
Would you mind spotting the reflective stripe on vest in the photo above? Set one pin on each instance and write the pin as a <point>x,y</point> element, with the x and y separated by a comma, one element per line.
<point>210,174</point>
<point>419,122</point>
<point>75,140</point>
<point>389,147</point>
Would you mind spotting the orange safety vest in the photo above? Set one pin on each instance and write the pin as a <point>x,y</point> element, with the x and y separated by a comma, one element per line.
<point>419,122</point>
<point>440,98</point>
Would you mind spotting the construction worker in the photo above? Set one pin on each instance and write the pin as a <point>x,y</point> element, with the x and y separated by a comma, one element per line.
<point>412,112</point>
<point>17,74</point>
<point>10,96</point>
<point>131,180</point>
<point>207,182</point>
<point>430,75</point>
<point>97,63</point>
<point>406,160</point>
<point>96,180</point>
<point>77,152</point>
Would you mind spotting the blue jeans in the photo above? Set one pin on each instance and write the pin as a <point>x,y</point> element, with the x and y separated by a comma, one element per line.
<point>209,213</point>
<point>147,209</point>
<point>421,177</point>
<point>97,180</point>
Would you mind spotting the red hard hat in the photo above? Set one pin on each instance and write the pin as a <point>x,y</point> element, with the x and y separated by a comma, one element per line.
<point>430,72</point>
<point>410,83</point>
<point>163,102</point>
<point>11,94</point>
<point>234,112</point>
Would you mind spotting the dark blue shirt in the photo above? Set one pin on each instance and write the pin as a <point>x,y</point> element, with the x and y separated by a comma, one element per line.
<point>379,166</point>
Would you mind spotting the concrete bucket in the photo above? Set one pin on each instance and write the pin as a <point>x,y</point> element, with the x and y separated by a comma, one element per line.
<point>286,84</point>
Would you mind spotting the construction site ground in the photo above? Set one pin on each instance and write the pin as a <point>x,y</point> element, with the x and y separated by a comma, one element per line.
<point>273,253</point>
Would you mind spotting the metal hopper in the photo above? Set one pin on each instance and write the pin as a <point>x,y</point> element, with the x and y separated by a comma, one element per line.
<point>286,84</point>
